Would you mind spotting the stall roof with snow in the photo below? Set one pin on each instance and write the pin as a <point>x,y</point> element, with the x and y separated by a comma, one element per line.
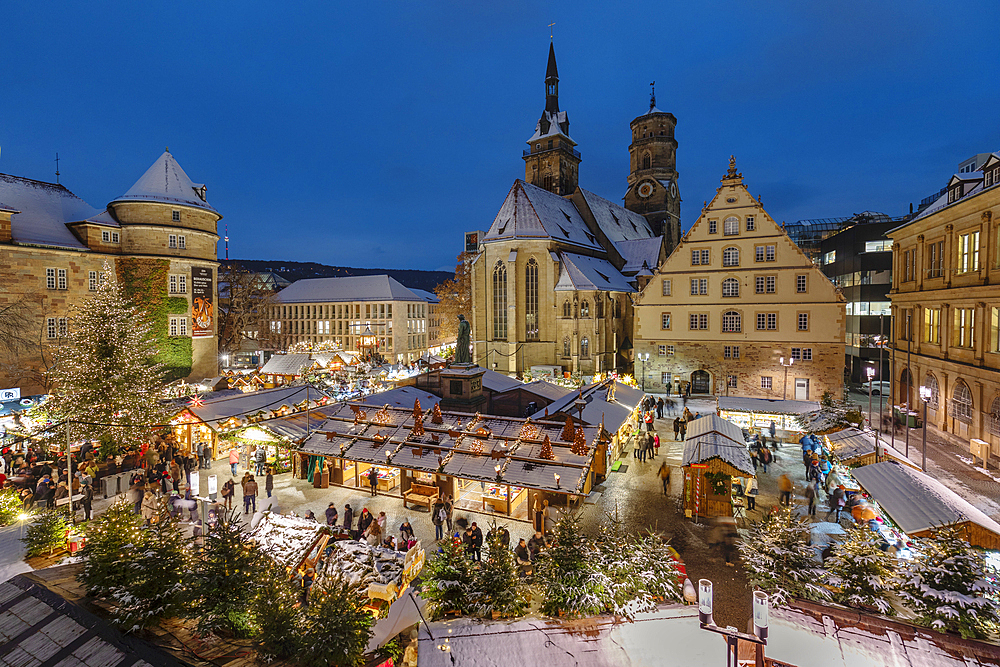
<point>290,540</point>
<point>919,504</point>
<point>603,404</point>
<point>242,405</point>
<point>855,447</point>
<point>287,364</point>
<point>401,397</point>
<point>768,405</point>
<point>712,437</point>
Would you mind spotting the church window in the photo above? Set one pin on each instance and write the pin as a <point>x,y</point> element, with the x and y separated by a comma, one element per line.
<point>585,309</point>
<point>598,308</point>
<point>585,348</point>
<point>576,309</point>
<point>566,310</point>
<point>566,350</point>
<point>618,309</point>
<point>500,301</point>
<point>645,161</point>
<point>531,300</point>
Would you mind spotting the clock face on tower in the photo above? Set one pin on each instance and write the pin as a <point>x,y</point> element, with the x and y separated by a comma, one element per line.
<point>645,190</point>
<point>673,189</point>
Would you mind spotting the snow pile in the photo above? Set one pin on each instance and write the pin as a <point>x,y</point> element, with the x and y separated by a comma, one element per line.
<point>286,539</point>
<point>363,565</point>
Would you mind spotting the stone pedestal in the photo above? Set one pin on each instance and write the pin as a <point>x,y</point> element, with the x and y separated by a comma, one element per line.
<point>462,388</point>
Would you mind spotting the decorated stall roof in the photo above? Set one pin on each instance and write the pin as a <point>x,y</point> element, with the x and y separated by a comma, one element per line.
<point>287,364</point>
<point>768,405</point>
<point>852,446</point>
<point>212,411</point>
<point>401,397</point>
<point>612,407</point>
<point>918,503</point>
<point>713,437</point>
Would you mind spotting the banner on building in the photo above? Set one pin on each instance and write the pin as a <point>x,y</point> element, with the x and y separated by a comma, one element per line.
<point>203,306</point>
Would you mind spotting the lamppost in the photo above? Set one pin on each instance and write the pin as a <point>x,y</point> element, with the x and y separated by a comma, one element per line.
<point>870,372</point>
<point>733,636</point>
<point>644,357</point>
<point>925,396</point>
<point>784,384</point>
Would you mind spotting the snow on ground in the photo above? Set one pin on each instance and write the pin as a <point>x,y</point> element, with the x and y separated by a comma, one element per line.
<point>988,473</point>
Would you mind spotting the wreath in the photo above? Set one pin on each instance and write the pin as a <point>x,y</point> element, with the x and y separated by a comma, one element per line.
<point>719,482</point>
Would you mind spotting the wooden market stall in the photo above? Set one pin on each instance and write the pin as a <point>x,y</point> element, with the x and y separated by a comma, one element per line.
<point>714,453</point>
<point>294,542</point>
<point>852,447</point>
<point>756,414</point>
<point>920,504</point>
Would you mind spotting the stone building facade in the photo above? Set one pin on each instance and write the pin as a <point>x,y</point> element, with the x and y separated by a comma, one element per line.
<point>738,309</point>
<point>946,307</point>
<point>53,250</point>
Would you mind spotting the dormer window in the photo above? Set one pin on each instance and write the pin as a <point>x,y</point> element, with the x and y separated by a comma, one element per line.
<point>987,179</point>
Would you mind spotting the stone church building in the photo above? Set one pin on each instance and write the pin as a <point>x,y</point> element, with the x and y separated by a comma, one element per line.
<point>160,239</point>
<point>554,277</point>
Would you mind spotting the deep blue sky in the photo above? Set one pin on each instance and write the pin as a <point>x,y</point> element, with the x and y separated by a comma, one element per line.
<point>374,134</point>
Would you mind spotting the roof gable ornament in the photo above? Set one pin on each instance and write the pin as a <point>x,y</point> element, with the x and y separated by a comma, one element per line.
<point>732,174</point>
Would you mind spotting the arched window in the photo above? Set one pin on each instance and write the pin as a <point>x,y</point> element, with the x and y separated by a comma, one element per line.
<point>618,309</point>
<point>732,322</point>
<point>646,161</point>
<point>566,310</point>
<point>961,403</point>
<point>599,308</point>
<point>585,309</point>
<point>566,350</point>
<point>531,300</point>
<point>931,383</point>
<point>905,386</point>
<point>994,421</point>
<point>731,257</point>
<point>585,348</point>
<point>576,309</point>
<point>731,226</point>
<point>500,301</point>
<point>730,287</point>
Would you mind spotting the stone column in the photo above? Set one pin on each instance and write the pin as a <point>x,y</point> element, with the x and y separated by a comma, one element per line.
<point>949,253</point>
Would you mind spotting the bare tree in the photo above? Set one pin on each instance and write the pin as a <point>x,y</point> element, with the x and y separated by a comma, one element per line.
<point>245,300</point>
<point>455,296</point>
<point>16,323</point>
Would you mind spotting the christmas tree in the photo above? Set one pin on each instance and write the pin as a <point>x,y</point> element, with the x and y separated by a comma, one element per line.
<point>47,532</point>
<point>568,430</point>
<point>225,581</point>
<point>579,443</point>
<point>418,427</point>
<point>498,587</point>
<point>276,612</point>
<point>947,586</point>
<point>448,579</point>
<point>862,572</point>
<point>436,417</point>
<point>153,572</point>
<point>778,559</point>
<point>566,573</point>
<point>657,567</point>
<point>546,452</point>
<point>417,412</point>
<point>11,506</point>
<point>117,530</point>
<point>336,628</point>
<point>106,371</point>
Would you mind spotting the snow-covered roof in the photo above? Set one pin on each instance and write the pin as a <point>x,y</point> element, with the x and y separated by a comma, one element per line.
<point>968,176</point>
<point>287,539</point>
<point>166,183</point>
<point>347,288</point>
<point>582,272</point>
<point>916,501</point>
<point>640,254</point>
<point>551,124</point>
<point>497,382</point>
<point>617,223</point>
<point>531,212</point>
<point>547,390</point>
<point>429,297</point>
<point>220,409</point>
<point>287,364</point>
<point>768,405</point>
<point>402,397</point>
<point>712,437</point>
<point>43,211</point>
<point>598,408</point>
<point>850,443</point>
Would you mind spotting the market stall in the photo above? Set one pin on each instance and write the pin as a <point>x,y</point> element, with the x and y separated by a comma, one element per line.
<point>852,447</point>
<point>919,504</point>
<point>294,542</point>
<point>757,414</point>
<point>382,573</point>
<point>714,454</point>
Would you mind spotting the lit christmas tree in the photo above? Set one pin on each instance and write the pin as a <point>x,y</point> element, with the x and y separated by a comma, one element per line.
<point>568,430</point>
<point>47,532</point>
<point>778,559</point>
<point>417,412</point>
<point>546,452</point>
<point>337,627</point>
<point>436,417</point>
<point>862,572</point>
<point>106,371</point>
<point>497,584</point>
<point>567,573</point>
<point>448,579</point>
<point>118,529</point>
<point>579,443</point>
<point>947,586</point>
<point>276,612</point>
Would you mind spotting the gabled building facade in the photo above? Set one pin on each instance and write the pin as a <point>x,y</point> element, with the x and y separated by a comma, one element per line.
<point>554,276</point>
<point>738,309</point>
<point>159,237</point>
<point>946,307</point>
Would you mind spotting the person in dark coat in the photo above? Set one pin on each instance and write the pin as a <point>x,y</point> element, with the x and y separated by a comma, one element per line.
<point>477,542</point>
<point>523,557</point>
<point>468,539</point>
<point>677,426</point>
<point>536,544</point>
<point>659,408</point>
<point>331,515</point>
<point>348,518</point>
<point>406,531</point>
<point>364,520</point>
<point>269,482</point>
<point>87,501</point>
<point>373,480</point>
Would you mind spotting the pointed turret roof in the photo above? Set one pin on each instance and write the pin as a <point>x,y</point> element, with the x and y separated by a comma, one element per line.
<point>551,72</point>
<point>165,182</point>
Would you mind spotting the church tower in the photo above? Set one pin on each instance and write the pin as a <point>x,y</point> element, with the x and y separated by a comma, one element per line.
<point>551,160</point>
<point>652,180</point>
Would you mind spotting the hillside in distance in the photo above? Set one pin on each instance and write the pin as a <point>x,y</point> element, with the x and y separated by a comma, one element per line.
<point>292,271</point>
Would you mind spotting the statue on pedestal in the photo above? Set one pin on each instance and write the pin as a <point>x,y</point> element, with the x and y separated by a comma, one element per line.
<point>463,355</point>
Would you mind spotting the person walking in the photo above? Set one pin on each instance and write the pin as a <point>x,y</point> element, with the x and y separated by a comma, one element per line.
<point>373,480</point>
<point>149,506</point>
<point>773,430</point>
<point>765,457</point>
<point>836,501</point>
<point>753,458</point>
<point>810,494</point>
<point>677,426</point>
<point>449,508</point>
<point>659,408</point>
<point>250,495</point>
<point>348,518</point>
<point>269,482</point>
<point>477,542</point>
<point>331,515</point>
<point>751,493</point>
<point>642,447</point>
<point>438,517</point>
<point>684,430</point>
<point>88,500</point>
<point>665,476</point>
<point>175,475</point>
<point>785,486</point>
<point>656,444</point>
<point>234,458</point>
<point>228,491</point>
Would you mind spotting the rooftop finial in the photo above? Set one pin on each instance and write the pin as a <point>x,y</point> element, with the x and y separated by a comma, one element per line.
<point>732,173</point>
<point>551,31</point>
<point>652,96</point>
<point>167,149</point>
<point>57,168</point>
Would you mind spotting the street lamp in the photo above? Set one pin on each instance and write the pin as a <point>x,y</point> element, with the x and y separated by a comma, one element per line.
<point>870,372</point>
<point>644,357</point>
<point>784,384</point>
<point>925,396</point>
<point>733,636</point>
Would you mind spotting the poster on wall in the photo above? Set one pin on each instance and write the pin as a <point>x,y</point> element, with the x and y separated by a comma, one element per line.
<point>203,308</point>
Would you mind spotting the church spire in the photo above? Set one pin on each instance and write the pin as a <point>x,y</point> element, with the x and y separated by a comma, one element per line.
<point>552,82</point>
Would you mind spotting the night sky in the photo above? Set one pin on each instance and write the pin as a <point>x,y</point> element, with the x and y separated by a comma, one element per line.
<point>374,134</point>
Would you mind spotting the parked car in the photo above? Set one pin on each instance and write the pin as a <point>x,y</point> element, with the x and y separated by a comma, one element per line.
<point>879,388</point>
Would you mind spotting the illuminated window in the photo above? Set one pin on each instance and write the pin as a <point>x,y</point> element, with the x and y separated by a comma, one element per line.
<point>500,301</point>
